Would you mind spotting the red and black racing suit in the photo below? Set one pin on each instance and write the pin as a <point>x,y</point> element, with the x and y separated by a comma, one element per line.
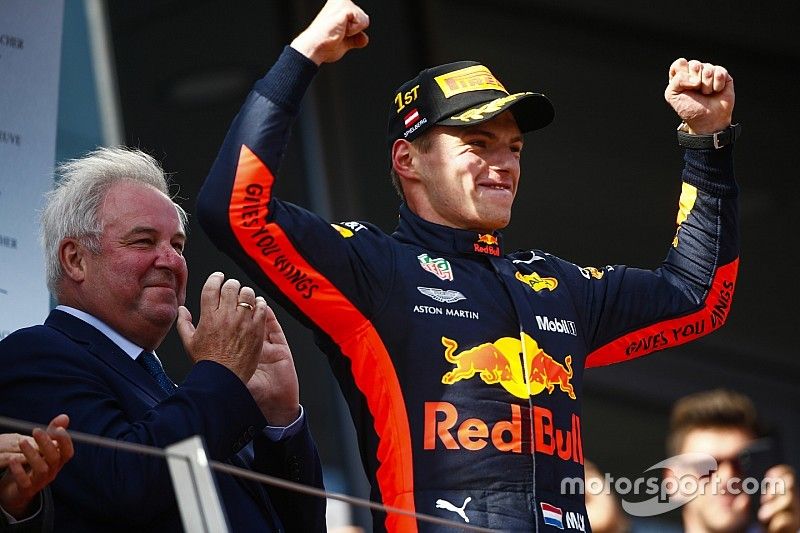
<point>462,365</point>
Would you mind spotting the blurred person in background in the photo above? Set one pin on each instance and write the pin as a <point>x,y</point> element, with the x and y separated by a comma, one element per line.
<point>724,424</point>
<point>603,508</point>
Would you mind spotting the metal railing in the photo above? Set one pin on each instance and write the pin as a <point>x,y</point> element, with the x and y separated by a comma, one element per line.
<point>197,499</point>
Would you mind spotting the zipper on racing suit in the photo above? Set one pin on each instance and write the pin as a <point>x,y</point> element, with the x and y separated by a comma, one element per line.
<point>506,271</point>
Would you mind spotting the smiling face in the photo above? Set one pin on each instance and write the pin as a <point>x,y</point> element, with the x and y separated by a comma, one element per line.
<point>468,176</point>
<point>138,280</point>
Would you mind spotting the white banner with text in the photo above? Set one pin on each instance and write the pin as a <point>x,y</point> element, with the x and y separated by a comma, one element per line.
<point>30,56</point>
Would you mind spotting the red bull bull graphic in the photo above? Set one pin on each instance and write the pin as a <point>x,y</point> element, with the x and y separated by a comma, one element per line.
<point>487,238</point>
<point>486,360</point>
<point>537,282</point>
<point>548,372</point>
<point>500,362</point>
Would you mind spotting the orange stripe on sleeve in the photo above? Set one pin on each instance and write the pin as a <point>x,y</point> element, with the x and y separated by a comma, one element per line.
<point>372,368</point>
<point>676,331</point>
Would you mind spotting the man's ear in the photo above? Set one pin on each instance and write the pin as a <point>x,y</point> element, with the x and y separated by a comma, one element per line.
<point>71,254</point>
<point>403,159</point>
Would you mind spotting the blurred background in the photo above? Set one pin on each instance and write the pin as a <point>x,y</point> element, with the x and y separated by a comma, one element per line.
<point>599,186</point>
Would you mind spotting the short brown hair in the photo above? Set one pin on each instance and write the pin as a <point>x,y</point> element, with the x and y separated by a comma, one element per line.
<point>423,144</point>
<point>717,408</point>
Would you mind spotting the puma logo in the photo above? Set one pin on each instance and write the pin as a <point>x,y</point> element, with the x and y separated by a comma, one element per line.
<point>444,504</point>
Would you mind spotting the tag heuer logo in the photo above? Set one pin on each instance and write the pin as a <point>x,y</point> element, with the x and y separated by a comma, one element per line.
<point>437,266</point>
<point>441,295</point>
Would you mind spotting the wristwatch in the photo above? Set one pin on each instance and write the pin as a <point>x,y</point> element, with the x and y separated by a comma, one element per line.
<point>706,141</point>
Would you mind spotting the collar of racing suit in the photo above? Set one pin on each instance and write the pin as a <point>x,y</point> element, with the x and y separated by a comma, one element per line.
<point>438,238</point>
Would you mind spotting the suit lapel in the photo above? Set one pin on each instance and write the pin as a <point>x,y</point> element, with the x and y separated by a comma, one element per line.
<point>104,349</point>
<point>98,345</point>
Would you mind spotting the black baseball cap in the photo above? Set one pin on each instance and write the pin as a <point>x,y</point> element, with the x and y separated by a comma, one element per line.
<point>460,94</point>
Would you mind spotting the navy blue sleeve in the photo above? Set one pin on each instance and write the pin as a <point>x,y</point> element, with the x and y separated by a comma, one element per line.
<point>631,312</point>
<point>316,269</point>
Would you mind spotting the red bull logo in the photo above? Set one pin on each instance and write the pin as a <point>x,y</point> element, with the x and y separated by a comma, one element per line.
<point>537,282</point>
<point>487,244</point>
<point>499,362</point>
<point>445,430</point>
<point>487,238</point>
<point>528,429</point>
<point>486,249</point>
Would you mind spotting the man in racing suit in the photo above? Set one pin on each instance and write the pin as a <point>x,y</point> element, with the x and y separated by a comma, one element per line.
<point>462,365</point>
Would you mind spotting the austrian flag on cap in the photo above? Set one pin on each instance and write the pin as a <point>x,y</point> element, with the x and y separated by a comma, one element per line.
<point>411,118</point>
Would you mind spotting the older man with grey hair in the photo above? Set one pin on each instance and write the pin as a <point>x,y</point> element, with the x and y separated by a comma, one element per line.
<point>114,242</point>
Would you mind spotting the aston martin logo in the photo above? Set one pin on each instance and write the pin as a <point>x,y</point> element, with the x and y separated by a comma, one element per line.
<point>441,295</point>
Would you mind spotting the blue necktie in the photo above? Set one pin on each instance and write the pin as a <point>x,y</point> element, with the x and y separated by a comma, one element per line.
<point>153,367</point>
